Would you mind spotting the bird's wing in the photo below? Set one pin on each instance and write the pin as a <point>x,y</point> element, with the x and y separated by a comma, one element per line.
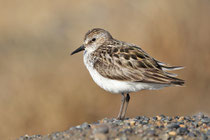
<point>127,62</point>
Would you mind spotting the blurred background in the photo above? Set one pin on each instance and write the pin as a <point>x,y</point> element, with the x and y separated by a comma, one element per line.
<point>43,89</point>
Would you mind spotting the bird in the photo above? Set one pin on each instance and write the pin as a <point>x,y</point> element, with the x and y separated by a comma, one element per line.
<point>121,68</point>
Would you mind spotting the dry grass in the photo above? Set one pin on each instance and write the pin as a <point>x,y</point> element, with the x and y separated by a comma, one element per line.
<point>43,89</point>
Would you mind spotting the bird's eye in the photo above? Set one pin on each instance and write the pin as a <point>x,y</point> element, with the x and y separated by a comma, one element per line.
<point>94,39</point>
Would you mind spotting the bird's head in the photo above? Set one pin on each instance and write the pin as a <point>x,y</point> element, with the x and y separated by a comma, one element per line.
<point>93,39</point>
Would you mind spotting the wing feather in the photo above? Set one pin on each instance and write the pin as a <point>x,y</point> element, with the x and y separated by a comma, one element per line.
<point>128,62</point>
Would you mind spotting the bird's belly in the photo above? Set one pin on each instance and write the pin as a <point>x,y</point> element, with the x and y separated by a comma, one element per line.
<point>110,85</point>
<point>116,86</point>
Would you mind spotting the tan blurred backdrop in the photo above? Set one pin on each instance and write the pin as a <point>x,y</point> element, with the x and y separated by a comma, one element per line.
<point>43,89</point>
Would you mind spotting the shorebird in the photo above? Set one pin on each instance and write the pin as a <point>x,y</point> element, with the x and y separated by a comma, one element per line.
<point>121,68</point>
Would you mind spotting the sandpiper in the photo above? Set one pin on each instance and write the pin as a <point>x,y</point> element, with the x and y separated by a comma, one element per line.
<point>122,68</point>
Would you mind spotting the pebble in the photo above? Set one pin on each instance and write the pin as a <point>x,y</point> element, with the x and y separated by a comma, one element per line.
<point>138,117</point>
<point>176,117</point>
<point>179,138</point>
<point>85,125</point>
<point>162,116</point>
<point>100,136</point>
<point>144,122</point>
<point>152,132</point>
<point>191,134</point>
<point>172,133</point>
<point>164,137</point>
<point>154,118</point>
<point>181,118</point>
<point>205,120</point>
<point>132,123</point>
<point>100,128</point>
<point>173,125</point>
<point>182,125</point>
<point>158,118</point>
<point>182,131</point>
<point>199,115</point>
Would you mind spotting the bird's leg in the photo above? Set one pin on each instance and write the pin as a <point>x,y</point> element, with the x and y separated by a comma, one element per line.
<point>127,99</point>
<point>121,108</point>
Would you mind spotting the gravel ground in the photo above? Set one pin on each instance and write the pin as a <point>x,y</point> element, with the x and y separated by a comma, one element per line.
<point>145,128</point>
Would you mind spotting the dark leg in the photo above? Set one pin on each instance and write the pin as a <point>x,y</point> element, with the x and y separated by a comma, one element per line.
<point>127,99</point>
<point>121,108</point>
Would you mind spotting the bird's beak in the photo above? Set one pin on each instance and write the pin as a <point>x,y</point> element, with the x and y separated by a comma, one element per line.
<point>81,48</point>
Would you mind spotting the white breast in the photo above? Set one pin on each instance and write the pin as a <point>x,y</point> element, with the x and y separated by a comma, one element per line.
<point>115,86</point>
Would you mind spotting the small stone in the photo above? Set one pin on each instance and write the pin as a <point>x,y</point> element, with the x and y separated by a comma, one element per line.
<point>205,120</point>
<point>144,122</point>
<point>181,118</point>
<point>105,120</point>
<point>176,117</point>
<point>158,118</point>
<point>182,131</point>
<point>100,136</point>
<point>165,124</point>
<point>195,124</point>
<point>127,131</point>
<point>132,123</point>
<point>85,125</point>
<point>200,115</point>
<point>146,119</point>
<point>199,123</point>
<point>191,134</point>
<point>126,123</point>
<point>78,127</point>
<point>162,116</point>
<point>154,118</point>
<point>172,133</point>
<point>138,117</point>
<point>158,123</point>
<point>179,138</point>
<point>204,125</point>
<point>166,120</point>
<point>100,128</point>
<point>164,137</point>
<point>25,137</point>
<point>72,128</point>
<point>36,136</point>
<point>173,125</point>
<point>182,125</point>
<point>198,133</point>
<point>123,138</point>
<point>151,132</point>
<point>188,118</point>
<point>170,118</point>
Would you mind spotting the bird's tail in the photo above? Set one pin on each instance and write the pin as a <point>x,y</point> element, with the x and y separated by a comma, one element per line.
<point>174,80</point>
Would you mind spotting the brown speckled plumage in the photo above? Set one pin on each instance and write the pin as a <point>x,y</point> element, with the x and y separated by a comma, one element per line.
<point>122,61</point>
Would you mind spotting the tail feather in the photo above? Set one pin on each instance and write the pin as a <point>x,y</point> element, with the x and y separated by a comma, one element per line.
<point>179,82</point>
<point>166,67</point>
<point>170,68</point>
<point>171,74</point>
<point>173,80</point>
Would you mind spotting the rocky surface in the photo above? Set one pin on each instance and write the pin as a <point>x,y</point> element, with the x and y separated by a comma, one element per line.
<point>141,127</point>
